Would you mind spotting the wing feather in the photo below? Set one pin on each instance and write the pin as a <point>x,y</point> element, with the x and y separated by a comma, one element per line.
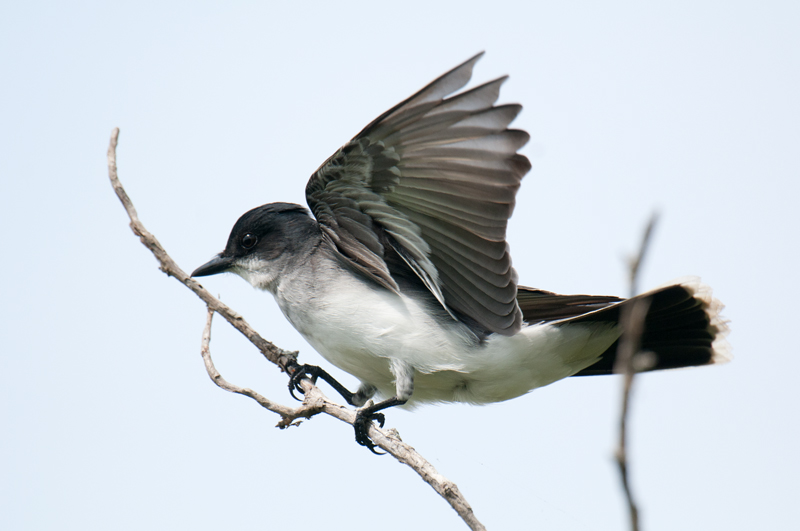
<point>433,179</point>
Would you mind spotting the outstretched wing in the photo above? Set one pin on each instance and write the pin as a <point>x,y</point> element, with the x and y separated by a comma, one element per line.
<point>432,179</point>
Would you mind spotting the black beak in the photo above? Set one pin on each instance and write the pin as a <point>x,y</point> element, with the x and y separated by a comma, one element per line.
<point>218,264</point>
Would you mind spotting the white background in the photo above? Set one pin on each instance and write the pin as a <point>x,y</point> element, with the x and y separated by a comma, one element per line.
<point>107,418</point>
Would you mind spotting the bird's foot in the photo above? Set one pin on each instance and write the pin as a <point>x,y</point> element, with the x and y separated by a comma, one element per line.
<point>364,419</point>
<point>298,373</point>
<point>312,372</point>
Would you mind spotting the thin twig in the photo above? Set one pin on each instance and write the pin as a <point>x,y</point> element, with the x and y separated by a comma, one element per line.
<point>632,320</point>
<point>276,355</point>
<point>636,262</point>
<point>216,377</point>
<point>314,401</point>
<point>628,362</point>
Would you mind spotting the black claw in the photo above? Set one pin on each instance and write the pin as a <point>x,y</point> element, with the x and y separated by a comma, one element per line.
<point>362,424</point>
<point>300,372</point>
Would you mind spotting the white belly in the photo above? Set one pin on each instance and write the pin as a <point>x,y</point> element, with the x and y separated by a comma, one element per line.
<point>361,329</point>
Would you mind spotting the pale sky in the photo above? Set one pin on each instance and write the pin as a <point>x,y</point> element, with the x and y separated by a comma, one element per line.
<point>108,418</point>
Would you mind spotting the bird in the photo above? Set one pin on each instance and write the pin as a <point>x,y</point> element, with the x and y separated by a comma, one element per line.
<point>399,272</point>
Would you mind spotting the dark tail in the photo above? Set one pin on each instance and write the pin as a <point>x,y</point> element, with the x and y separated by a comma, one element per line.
<point>683,327</point>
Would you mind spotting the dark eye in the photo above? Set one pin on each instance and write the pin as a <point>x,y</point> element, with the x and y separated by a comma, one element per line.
<point>248,240</point>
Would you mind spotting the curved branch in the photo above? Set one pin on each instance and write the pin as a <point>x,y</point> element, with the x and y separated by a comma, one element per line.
<point>314,401</point>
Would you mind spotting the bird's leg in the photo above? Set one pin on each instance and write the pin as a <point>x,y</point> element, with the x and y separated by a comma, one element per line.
<point>312,372</point>
<point>404,384</point>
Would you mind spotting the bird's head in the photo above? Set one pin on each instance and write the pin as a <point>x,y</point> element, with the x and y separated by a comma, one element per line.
<point>262,243</point>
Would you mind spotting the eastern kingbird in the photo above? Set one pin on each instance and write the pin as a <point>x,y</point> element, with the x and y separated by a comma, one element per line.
<point>403,277</point>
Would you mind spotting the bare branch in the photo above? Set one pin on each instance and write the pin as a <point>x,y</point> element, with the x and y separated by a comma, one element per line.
<point>629,361</point>
<point>636,262</point>
<point>217,378</point>
<point>632,320</point>
<point>314,401</point>
<point>278,356</point>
